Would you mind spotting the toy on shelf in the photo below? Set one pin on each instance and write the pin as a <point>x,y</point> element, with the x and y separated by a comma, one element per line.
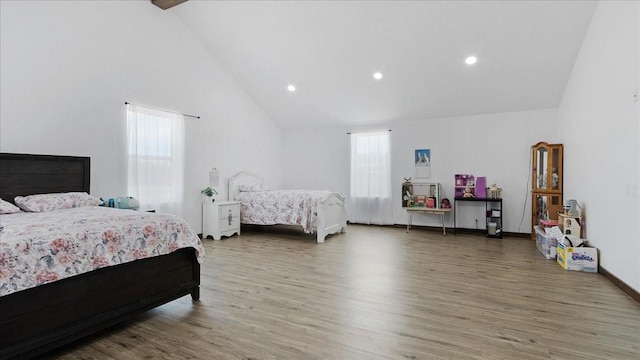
<point>407,193</point>
<point>446,204</point>
<point>570,221</point>
<point>494,192</point>
<point>572,208</point>
<point>570,225</point>
<point>420,194</point>
<point>481,187</point>
<point>468,193</point>
<point>463,183</point>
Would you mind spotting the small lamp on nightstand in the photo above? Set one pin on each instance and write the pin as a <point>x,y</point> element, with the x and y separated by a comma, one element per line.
<point>214,181</point>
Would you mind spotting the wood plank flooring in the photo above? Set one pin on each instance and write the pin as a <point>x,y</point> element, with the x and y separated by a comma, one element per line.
<point>380,293</point>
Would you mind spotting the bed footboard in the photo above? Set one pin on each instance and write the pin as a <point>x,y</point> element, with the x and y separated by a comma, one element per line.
<point>331,217</point>
<point>39,319</point>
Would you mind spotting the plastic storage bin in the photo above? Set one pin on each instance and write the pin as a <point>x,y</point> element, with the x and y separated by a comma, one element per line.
<point>546,244</point>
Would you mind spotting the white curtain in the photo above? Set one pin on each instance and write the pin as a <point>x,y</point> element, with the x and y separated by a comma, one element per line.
<point>370,195</point>
<point>155,144</point>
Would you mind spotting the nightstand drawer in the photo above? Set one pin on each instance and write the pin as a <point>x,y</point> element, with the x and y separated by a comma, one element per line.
<point>230,222</point>
<point>226,210</point>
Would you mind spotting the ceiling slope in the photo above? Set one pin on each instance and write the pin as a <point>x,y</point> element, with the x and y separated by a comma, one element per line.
<point>330,50</point>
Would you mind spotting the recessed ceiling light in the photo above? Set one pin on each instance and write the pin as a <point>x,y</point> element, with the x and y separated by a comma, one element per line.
<point>291,88</point>
<point>377,76</point>
<point>471,60</point>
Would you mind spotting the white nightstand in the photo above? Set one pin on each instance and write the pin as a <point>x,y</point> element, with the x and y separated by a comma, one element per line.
<point>220,218</point>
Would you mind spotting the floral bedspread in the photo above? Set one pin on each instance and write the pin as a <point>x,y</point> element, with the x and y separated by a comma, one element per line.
<point>290,207</point>
<point>38,248</point>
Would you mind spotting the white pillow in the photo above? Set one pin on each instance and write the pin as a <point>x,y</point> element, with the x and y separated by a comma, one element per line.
<point>245,182</point>
<point>252,187</point>
<point>8,208</point>
<point>49,202</point>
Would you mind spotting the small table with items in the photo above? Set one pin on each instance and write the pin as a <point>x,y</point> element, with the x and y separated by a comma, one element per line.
<point>427,210</point>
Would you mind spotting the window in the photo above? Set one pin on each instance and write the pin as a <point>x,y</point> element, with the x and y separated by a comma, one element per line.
<point>155,153</point>
<point>370,191</point>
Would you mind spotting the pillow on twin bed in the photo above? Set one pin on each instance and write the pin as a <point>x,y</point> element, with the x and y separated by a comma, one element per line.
<point>252,187</point>
<point>49,202</point>
<point>8,208</point>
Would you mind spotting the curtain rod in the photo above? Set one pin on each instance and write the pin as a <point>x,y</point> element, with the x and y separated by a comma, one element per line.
<point>368,131</point>
<point>193,116</point>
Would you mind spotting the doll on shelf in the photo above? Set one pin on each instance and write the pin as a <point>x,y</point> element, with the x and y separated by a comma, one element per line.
<point>555,179</point>
<point>468,193</point>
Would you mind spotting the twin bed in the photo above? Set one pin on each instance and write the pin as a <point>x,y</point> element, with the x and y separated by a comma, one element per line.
<point>322,212</point>
<point>53,299</point>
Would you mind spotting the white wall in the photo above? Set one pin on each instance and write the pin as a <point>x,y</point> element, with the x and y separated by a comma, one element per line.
<point>67,67</point>
<point>598,124</point>
<point>497,146</point>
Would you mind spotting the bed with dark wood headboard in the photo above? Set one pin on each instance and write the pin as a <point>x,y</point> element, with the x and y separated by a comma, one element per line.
<point>37,320</point>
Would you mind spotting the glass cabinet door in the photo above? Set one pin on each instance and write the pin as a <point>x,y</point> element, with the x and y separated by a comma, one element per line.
<point>546,207</point>
<point>541,168</point>
<point>547,167</point>
<point>542,209</point>
<point>556,183</point>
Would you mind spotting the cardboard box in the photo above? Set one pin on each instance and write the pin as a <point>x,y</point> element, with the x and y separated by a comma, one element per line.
<point>546,244</point>
<point>578,258</point>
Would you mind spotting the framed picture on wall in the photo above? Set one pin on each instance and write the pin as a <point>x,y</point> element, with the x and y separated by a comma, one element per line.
<point>422,160</point>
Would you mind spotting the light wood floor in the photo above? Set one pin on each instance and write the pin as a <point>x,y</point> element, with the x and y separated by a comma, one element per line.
<point>380,293</point>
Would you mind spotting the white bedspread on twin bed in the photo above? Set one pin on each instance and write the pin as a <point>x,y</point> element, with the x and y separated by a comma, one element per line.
<point>290,207</point>
<point>38,248</point>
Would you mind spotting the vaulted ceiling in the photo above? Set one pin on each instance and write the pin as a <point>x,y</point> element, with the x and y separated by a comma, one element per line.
<point>329,50</point>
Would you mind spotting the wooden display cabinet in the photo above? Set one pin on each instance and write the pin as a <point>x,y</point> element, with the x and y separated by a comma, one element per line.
<point>546,183</point>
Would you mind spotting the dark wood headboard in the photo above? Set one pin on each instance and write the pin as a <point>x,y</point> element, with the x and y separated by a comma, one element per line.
<point>27,174</point>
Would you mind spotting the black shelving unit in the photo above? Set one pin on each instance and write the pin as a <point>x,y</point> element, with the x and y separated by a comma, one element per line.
<point>494,217</point>
<point>493,210</point>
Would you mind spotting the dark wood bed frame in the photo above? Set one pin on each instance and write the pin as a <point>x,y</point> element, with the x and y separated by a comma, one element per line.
<point>40,319</point>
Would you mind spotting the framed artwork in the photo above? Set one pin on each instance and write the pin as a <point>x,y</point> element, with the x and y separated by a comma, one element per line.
<point>422,160</point>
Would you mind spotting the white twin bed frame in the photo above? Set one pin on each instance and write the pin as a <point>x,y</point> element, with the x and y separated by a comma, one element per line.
<point>331,216</point>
